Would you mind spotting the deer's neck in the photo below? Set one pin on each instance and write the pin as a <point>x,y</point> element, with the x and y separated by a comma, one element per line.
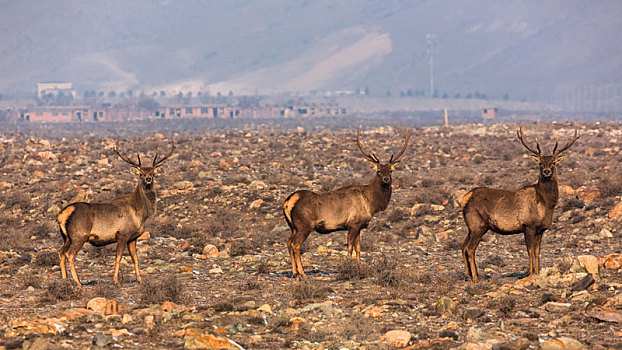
<point>144,200</point>
<point>379,196</point>
<point>547,191</point>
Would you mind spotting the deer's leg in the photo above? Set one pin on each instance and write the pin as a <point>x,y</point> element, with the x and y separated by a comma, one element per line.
<point>476,229</point>
<point>62,254</point>
<point>530,243</point>
<point>117,261</point>
<point>299,239</point>
<point>357,246</point>
<point>74,248</point>
<point>352,232</point>
<point>131,247</point>
<point>292,255</point>
<point>472,246</point>
<point>538,242</point>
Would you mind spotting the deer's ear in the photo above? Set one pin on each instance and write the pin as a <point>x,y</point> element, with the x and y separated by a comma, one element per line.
<point>135,171</point>
<point>373,165</point>
<point>560,159</point>
<point>395,165</point>
<point>535,158</point>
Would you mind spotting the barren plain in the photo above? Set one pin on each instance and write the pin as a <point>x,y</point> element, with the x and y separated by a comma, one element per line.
<point>216,272</point>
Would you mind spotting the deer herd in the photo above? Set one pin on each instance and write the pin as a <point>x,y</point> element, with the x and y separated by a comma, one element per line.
<point>528,210</point>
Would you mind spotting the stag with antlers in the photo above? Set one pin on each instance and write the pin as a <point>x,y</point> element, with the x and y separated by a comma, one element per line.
<point>121,220</point>
<point>349,208</point>
<point>528,210</point>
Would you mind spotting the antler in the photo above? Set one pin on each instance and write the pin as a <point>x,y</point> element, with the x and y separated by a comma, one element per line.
<point>574,138</point>
<point>406,137</point>
<point>125,159</point>
<point>156,162</point>
<point>519,132</point>
<point>371,157</point>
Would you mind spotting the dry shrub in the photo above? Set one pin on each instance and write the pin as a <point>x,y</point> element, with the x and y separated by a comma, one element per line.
<point>306,290</point>
<point>105,290</point>
<point>505,305</point>
<point>351,270</point>
<point>26,281</point>
<point>387,271</point>
<point>573,203</point>
<point>46,259</point>
<point>63,289</point>
<point>610,186</point>
<point>161,290</point>
<point>432,195</point>
<point>241,247</point>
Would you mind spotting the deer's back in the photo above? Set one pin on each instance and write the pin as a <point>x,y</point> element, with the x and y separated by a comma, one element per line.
<point>503,211</point>
<point>333,210</point>
<point>100,223</point>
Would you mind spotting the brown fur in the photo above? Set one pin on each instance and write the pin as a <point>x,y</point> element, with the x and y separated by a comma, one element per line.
<point>121,221</point>
<point>349,208</point>
<point>528,210</point>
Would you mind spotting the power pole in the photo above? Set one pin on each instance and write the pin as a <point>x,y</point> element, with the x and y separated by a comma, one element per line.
<point>429,37</point>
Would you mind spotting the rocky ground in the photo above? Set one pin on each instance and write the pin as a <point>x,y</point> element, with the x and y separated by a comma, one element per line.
<point>215,264</point>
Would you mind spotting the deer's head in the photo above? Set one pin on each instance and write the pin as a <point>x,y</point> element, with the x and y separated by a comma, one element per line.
<point>383,170</point>
<point>547,163</point>
<point>145,173</point>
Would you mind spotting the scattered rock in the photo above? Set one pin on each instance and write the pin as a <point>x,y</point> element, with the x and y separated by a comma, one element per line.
<point>256,203</point>
<point>257,185</point>
<point>397,338</point>
<point>588,193</point>
<point>616,211</point>
<point>444,305</point>
<point>552,306</point>
<point>590,263</point>
<point>611,261</point>
<point>607,315</point>
<point>584,283</point>
<point>200,339</point>
<point>37,344</point>
<point>105,306</point>
<point>210,250</point>
<point>563,343</point>
<point>102,340</point>
<point>604,233</point>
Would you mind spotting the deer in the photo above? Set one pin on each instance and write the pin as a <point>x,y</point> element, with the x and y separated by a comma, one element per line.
<point>348,208</point>
<point>528,210</point>
<point>120,220</point>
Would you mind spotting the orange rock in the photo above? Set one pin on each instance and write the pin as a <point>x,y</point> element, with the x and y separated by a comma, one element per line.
<point>588,193</point>
<point>169,306</point>
<point>105,306</point>
<point>256,203</point>
<point>223,165</point>
<point>39,174</point>
<point>200,339</point>
<point>566,190</point>
<point>616,211</point>
<point>144,236</point>
<point>73,314</point>
<point>611,261</point>
<point>210,250</point>
<point>397,338</point>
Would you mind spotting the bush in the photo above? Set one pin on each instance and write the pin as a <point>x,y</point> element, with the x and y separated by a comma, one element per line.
<point>306,290</point>
<point>159,291</point>
<point>63,289</point>
<point>46,259</point>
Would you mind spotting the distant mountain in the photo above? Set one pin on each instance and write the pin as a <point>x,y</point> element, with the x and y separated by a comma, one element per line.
<point>524,49</point>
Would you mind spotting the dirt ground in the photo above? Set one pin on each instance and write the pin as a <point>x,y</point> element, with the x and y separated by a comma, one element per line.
<point>215,264</point>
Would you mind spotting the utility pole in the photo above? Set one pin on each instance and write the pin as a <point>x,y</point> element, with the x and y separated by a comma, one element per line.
<point>429,37</point>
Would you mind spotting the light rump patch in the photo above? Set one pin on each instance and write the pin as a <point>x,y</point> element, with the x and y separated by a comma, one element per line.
<point>64,215</point>
<point>465,199</point>
<point>289,204</point>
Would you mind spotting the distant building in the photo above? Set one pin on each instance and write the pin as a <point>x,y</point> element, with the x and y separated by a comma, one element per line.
<point>61,114</point>
<point>55,89</point>
<point>489,113</point>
